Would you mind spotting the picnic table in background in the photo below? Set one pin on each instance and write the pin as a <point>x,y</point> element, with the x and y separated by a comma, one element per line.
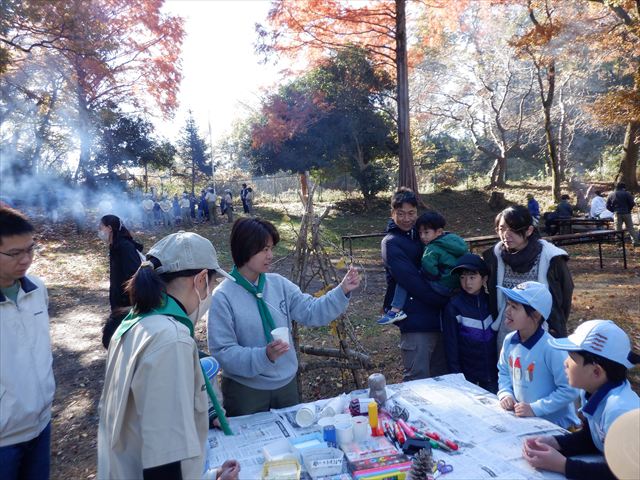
<point>479,243</point>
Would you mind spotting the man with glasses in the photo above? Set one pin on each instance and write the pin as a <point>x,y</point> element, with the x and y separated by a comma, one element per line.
<point>26,375</point>
<point>420,332</point>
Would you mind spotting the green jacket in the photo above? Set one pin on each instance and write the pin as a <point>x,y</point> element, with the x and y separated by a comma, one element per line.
<point>441,255</point>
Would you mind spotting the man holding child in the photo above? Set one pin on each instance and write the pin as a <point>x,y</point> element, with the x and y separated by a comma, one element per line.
<point>420,334</point>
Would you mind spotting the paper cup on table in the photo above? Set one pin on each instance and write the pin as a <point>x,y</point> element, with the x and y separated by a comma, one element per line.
<point>324,421</point>
<point>281,333</point>
<point>344,433</point>
<point>360,428</point>
<point>306,416</point>
<point>333,407</point>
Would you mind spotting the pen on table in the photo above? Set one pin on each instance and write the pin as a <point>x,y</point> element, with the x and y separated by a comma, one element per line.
<point>407,429</point>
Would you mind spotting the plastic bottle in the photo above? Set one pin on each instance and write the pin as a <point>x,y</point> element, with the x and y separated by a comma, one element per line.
<point>373,415</point>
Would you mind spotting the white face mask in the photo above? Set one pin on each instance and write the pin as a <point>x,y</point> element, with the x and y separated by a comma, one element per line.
<point>103,235</point>
<point>203,305</point>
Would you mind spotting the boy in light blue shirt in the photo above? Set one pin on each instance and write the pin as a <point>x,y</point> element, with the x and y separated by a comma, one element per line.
<point>599,356</point>
<point>531,377</point>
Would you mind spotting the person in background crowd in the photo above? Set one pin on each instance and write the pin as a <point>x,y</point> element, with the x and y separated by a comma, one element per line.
<point>27,385</point>
<point>248,199</point>
<point>534,209</point>
<point>259,372</point>
<point>621,203</point>
<point>226,205</point>
<point>599,206</point>
<point>203,208</point>
<point>124,258</point>
<point>421,343</point>
<point>153,409</point>
<point>147,208</point>
<point>158,217</point>
<point>211,205</point>
<point>184,209</point>
<point>521,255</point>
<point>167,215</point>
<point>193,202</point>
<point>564,209</point>
<point>243,198</point>
<point>175,208</point>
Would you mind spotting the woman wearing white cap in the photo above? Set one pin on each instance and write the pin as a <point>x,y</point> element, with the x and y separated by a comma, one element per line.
<point>154,407</point>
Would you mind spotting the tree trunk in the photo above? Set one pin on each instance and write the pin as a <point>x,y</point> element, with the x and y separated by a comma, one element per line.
<point>146,177</point>
<point>42,131</point>
<point>407,174</point>
<point>304,185</point>
<point>547,103</point>
<point>84,128</point>
<point>628,172</point>
<point>193,173</point>
<point>499,172</point>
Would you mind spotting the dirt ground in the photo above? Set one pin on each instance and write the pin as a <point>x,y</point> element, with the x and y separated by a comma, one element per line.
<point>74,268</point>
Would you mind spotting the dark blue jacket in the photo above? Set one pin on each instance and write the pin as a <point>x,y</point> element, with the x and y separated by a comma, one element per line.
<point>401,254</point>
<point>470,343</point>
<point>534,207</point>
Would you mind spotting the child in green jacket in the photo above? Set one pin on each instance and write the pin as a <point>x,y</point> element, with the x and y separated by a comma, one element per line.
<point>441,252</point>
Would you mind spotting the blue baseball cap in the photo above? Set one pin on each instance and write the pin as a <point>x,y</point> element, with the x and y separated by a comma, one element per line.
<point>471,262</point>
<point>534,294</point>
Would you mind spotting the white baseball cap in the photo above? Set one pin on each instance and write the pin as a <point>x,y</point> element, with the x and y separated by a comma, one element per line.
<point>534,294</point>
<point>600,337</point>
<point>186,251</point>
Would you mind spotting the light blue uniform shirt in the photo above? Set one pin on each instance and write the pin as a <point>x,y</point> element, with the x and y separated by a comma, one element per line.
<point>533,372</point>
<point>602,408</point>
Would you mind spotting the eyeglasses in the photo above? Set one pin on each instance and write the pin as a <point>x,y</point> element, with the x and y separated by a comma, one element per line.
<point>20,254</point>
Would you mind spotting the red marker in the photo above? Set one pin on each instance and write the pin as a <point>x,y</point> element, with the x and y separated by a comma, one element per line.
<point>407,429</point>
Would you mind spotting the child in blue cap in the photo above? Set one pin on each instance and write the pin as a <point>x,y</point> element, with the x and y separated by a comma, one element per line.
<point>469,340</point>
<point>531,376</point>
<point>599,356</point>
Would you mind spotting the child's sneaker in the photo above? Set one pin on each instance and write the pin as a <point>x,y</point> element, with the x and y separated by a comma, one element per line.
<point>392,317</point>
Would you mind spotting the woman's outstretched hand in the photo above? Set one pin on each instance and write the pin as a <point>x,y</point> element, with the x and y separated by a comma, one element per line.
<point>351,280</point>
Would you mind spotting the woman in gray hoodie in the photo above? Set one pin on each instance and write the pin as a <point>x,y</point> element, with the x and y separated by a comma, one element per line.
<point>258,372</point>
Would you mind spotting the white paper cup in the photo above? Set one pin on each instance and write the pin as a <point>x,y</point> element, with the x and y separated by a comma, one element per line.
<point>305,416</point>
<point>360,428</point>
<point>334,407</point>
<point>344,433</point>
<point>324,421</point>
<point>281,333</point>
<point>342,418</point>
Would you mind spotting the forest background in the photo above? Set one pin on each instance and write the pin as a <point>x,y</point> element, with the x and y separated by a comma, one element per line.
<point>447,97</point>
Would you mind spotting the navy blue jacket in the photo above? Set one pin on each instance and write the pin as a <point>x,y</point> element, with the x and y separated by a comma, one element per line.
<point>469,341</point>
<point>401,254</point>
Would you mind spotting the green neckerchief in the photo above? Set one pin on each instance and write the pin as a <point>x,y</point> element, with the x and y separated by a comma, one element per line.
<point>171,308</point>
<point>265,314</point>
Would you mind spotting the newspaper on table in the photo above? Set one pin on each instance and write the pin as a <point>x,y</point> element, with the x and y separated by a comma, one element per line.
<point>489,438</point>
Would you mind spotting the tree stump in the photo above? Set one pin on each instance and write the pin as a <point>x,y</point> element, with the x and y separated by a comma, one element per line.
<point>497,201</point>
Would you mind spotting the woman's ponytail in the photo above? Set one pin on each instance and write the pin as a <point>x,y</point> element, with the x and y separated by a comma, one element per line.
<point>146,287</point>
